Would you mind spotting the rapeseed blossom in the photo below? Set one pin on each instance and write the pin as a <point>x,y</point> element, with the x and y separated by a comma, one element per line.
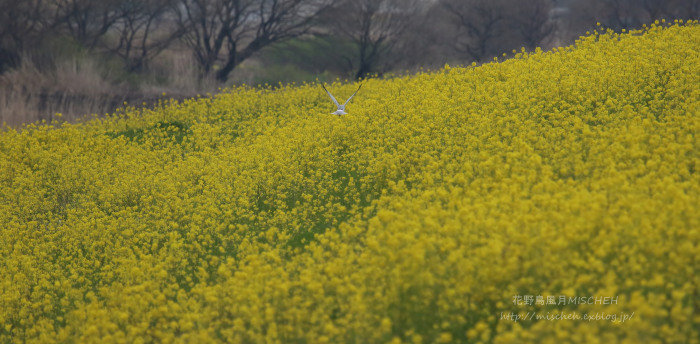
<point>425,216</point>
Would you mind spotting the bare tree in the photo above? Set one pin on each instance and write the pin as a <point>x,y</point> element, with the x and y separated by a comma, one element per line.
<point>21,26</point>
<point>373,26</point>
<point>619,14</point>
<point>143,31</point>
<point>87,20</point>
<point>480,25</point>
<point>425,42</point>
<point>212,26</point>
<point>230,31</point>
<point>655,9</point>
<point>531,19</point>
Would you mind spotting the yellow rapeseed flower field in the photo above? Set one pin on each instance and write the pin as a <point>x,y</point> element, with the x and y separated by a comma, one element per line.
<point>550,197</point>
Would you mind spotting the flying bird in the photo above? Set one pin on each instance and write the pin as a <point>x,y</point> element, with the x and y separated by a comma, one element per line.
<point>341,108</point>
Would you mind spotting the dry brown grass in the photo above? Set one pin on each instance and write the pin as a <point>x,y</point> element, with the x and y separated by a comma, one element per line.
<point>176,71</point>
<point>78,87</point>
<point>73,88</point>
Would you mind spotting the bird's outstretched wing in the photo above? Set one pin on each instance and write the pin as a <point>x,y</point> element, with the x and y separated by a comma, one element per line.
<point>330,95</point>
<point>347,101</point>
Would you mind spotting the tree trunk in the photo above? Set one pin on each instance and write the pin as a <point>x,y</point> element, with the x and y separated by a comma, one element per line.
<point>365,68</point>
<point>222,74</point>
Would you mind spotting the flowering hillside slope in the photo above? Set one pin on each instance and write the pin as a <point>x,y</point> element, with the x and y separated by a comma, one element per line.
<point>552,197</point>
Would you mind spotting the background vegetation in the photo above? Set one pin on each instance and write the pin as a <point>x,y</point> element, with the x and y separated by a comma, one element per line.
<point>80,57</point>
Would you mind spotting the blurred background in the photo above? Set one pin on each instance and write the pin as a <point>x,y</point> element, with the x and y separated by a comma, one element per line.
<point>78,57</point>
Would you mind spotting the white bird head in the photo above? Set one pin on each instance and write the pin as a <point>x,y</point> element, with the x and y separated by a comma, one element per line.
<point>341,108</point>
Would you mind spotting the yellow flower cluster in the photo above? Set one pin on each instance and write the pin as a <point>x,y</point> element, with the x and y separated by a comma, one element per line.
<point>446,207</point>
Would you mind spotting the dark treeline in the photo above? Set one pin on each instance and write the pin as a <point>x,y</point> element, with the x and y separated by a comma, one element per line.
<point>134,43</point>
<point>362,36</point>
